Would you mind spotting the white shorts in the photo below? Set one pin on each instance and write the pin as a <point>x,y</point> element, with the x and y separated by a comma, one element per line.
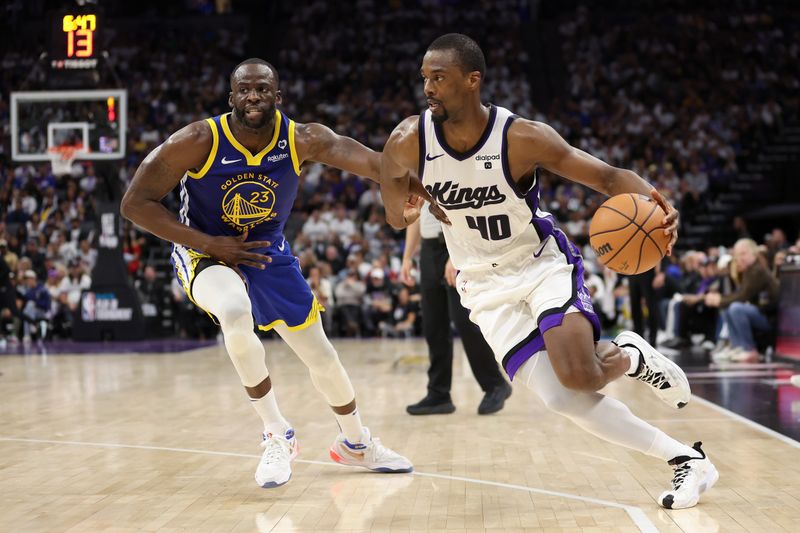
<point>515,302</point>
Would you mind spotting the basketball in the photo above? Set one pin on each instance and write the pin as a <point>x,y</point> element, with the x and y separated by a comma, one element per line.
<point>627,235</point>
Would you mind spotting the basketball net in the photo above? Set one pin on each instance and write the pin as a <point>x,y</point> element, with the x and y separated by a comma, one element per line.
<point>62,157</point>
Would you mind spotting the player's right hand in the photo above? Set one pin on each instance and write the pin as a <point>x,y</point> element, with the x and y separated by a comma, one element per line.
<point>234,251</point>
<point>405,273</point>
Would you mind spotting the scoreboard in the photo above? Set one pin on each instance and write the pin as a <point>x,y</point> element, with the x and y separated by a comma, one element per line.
<point>74,43</point>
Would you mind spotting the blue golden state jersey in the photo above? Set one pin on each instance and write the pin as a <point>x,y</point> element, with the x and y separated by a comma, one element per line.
<point>237,190</point>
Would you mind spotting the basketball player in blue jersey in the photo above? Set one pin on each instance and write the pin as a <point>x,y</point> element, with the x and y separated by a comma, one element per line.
<point>518,274</point>
<point>238,175</point>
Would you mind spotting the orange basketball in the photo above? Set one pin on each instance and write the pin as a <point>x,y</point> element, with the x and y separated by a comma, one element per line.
<point>627,235</point>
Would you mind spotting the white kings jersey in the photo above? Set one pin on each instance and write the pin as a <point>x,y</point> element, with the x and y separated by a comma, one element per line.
<point>492,220</point>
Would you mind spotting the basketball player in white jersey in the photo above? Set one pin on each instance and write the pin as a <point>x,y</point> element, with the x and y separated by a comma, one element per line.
<point>518,274</point>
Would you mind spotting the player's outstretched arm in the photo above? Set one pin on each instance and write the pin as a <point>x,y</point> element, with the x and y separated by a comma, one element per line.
<point>316,142</point>
<point>533,144</point>
<point>158,174</point>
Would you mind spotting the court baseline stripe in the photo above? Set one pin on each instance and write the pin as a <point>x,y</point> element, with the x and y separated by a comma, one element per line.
<point>746,421</point>
<point>636,515</point>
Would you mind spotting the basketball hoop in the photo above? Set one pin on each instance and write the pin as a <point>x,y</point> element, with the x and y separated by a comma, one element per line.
<point>62,157</point>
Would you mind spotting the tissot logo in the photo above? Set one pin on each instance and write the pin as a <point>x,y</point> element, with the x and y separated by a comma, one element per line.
<point>452,196</point>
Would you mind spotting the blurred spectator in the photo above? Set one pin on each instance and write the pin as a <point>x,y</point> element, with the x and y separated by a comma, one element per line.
<point>10,316</point>
<point>315,227</point>
<point>74,283</point>
<point>36,309</point>
<point>86,254</point>
<point>349,297</point>
<point>152,296</point>
<point>341,225</point>
<point>8,256</point>
<point>692,315</point>
<point>378,306</point>
<point>403,321</point>
<point>748,310</point>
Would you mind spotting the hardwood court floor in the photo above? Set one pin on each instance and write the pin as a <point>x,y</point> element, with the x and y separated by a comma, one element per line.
<point>169,443</point>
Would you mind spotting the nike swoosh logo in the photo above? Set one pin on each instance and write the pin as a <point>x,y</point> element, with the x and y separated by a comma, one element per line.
<point>537,254</point>
<point>229,161</point>
<point>429,158</point>
<point>354,455</point>
<point>280,247</point>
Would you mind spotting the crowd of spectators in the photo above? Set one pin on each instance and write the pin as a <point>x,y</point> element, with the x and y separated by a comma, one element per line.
<point>681,98</point>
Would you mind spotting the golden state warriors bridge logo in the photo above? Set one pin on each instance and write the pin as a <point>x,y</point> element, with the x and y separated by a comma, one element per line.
<point>248,203</point>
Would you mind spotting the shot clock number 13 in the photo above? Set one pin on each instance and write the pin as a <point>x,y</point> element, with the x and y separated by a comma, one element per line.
<point>79,30</point>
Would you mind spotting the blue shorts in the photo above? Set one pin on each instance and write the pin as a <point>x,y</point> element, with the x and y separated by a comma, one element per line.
<point>279,293</point>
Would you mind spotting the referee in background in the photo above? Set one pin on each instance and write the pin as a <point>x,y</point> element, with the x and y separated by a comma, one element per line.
<point>441,305</point>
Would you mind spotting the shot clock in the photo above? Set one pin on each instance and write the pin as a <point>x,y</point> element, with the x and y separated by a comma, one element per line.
<point>74,40</point>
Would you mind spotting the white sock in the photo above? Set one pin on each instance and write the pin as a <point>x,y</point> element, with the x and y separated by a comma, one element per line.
<point>267,409</point>
<point>351,426</point>
<point>634,354</point>
<point>666,448</point>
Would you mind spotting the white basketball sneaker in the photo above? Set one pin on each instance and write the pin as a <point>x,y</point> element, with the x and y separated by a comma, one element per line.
<point>665,377</point>
<point>275,467</point>
<point>693,476</point>
<point>371,455</point>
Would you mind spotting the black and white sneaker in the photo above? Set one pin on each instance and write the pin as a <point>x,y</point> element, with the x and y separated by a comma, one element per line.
<point>693,476</point>
<point>665,377</point>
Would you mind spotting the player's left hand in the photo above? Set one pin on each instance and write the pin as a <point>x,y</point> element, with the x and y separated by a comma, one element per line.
<point>608,353</point>
<point>412,208</point>
<point>670,221</point>
<point>450,273</point>
<point>438,212</point>
<point>415,187</point>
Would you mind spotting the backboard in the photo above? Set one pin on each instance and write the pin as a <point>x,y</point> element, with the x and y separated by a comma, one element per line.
<point>96,119</point>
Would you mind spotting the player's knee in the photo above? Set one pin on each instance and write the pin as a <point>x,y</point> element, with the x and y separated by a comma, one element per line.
<point>237,342</point>
<point>562,402</point>
<point>323,360</point>
<point>235,314</point>
<point>582,377</point>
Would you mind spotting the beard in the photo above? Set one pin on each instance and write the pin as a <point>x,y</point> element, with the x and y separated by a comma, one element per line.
<point>266,117</point>
<point>442,117</point>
